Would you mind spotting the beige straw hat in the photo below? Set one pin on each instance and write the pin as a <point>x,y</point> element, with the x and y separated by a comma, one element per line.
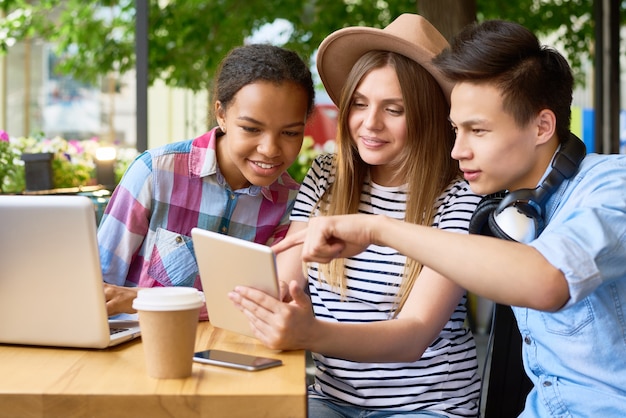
<point>409,34</point>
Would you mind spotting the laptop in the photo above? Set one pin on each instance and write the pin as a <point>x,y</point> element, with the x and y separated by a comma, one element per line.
<point>51,287</point>
<point>225,262</point>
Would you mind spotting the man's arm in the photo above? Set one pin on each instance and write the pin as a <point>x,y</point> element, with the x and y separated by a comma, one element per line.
<point>506,272</point>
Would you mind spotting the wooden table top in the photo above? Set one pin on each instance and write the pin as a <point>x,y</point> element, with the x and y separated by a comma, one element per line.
<point>65,382</point>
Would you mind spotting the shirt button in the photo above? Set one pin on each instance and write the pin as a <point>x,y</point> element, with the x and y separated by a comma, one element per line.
<point>547,384</point>
<point>527,340</point>
<point>224,229</point>
<point>232,196</point>
<point>179,239</point>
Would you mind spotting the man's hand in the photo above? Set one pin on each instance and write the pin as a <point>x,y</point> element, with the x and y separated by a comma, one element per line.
<point>329,237</point>
<point>119,299</point>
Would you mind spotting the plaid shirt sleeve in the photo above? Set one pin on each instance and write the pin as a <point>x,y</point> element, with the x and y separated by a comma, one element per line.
<point>125,222</point>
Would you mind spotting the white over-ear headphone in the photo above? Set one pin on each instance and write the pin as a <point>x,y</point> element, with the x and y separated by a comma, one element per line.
<point>519,215</point>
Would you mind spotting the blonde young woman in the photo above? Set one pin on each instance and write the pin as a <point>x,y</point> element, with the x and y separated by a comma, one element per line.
<point>387,334</point>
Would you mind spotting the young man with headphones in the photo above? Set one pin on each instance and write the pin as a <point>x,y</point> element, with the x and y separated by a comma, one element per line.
<point>555,248</point>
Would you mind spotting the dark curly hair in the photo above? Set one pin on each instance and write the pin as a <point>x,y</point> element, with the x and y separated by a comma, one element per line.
<point>261,62</point>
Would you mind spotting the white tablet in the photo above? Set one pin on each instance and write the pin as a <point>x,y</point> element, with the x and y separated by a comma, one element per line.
<point>225,262</point>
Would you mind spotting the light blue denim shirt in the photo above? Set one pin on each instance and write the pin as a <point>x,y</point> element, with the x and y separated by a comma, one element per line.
<point>576,357</point>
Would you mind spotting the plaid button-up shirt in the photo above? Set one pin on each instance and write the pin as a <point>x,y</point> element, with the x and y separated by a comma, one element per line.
<point>145,234</point>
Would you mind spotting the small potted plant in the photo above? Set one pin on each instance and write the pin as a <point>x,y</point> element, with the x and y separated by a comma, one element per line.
<point>57,165</point>
<point>11,171</point>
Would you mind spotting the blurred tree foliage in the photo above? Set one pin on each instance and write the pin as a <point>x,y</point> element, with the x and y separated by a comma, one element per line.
<point>188,38</point>
<point>571,21</point>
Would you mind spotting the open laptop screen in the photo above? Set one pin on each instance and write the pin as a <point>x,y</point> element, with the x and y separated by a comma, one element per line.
<point>51,289</point>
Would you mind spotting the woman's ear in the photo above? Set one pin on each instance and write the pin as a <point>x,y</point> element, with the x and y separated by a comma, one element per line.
<point>546,126</point>
<point>220,115</point>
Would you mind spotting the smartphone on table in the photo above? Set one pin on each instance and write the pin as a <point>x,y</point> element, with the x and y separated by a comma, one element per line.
<point>235,360</point>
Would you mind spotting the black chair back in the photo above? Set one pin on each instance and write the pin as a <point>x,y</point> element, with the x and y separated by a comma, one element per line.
<point>508,382</point>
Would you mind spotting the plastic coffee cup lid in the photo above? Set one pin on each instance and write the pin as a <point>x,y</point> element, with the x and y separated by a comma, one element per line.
<point>168,299</point>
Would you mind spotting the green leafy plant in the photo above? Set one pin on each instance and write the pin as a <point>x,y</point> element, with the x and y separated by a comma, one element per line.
<point>73,164</point>
<point>11,171</point>
<point>309,151</point>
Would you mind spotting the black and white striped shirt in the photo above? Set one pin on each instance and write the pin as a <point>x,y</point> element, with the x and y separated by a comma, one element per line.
<point>445,379</point>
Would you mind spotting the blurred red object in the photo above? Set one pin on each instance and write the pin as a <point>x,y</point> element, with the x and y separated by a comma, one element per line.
<point>322,125</point>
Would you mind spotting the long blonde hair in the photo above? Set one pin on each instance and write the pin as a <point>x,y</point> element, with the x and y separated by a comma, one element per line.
<point>427,166</point>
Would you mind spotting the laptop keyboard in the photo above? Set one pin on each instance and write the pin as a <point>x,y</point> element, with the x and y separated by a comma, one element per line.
<point>116,330</point>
